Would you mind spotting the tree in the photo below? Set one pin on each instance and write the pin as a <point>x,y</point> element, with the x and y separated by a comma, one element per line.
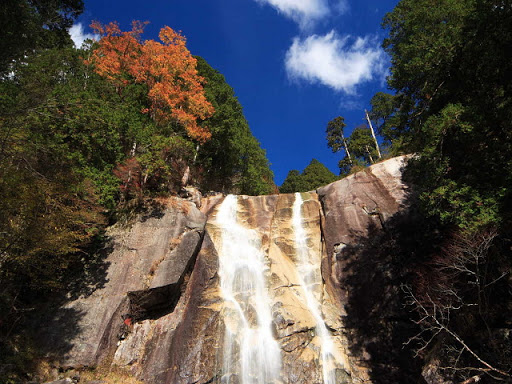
<point>423,44</point>
<point>447,71</point>
<point>293,183</point>
<point>168,70</point>
<point>382,114</point>
<point>29,25</point>
<point>362,145</point>
<point>335,138</point>
<point>361,148</point>
<point>373,134</point>
<point>346,166</point>
<point>454,301</point>
<point>177,102</point>
<point>233,159</point>
<point>315,175</point>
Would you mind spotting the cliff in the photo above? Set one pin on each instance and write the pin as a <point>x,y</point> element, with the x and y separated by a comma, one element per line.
<point>239,290</point>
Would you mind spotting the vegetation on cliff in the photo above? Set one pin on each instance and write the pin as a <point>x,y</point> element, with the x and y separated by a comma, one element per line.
<point>313,176</point>
<point>92,132</point>
<point>452,107</point>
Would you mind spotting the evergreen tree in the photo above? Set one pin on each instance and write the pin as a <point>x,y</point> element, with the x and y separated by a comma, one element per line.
<point>232,161</point>
<point>448,69</point>
<point>293,183</point>
<point>315,175</point>
<point>382,114</point>
<point>29,25</point>
<point>336,138</point>
<point>362,145</point>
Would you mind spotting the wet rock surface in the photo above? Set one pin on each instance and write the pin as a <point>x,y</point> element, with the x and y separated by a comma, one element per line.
<point>159,314</point>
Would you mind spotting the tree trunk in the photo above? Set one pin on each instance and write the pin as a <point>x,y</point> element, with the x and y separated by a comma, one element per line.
<point>186,176</point>
<point>134,149</point>
<point>346,149</point>
<point>373,133</point>
<point>369,155</point>
<point>195,154</point>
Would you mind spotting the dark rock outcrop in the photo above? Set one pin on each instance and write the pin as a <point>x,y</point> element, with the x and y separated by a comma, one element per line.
<point>357,212</point>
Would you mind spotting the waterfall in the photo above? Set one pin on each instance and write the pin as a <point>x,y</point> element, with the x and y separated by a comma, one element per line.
<point>310,279</point>
<point>251,355</point>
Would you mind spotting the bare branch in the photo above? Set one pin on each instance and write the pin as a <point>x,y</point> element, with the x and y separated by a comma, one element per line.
<point>435,319</point>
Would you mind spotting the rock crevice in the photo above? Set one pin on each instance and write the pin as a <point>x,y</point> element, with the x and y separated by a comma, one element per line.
<point>166,285</point>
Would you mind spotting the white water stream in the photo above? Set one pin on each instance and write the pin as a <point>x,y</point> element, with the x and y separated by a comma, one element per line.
<point>310,279</point>
<point>251,354</point>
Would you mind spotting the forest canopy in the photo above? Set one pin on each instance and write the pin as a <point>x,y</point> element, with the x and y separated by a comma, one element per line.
<point>452,108</point>
<point>315,175</point>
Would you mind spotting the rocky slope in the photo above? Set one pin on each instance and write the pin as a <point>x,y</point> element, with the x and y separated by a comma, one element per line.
<point>161,312</point>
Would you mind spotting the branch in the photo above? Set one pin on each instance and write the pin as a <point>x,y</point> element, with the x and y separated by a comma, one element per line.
<point>456,337</point>
<point>438,326</point>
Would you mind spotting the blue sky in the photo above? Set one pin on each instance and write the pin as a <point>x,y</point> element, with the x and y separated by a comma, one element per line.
<point>294,64</point>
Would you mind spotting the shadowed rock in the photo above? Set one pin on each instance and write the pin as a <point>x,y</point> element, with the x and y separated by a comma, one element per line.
<point>139,254</point>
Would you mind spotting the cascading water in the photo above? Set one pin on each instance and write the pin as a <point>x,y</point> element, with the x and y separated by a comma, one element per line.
<point>251,354</point>
<point>311,281</point>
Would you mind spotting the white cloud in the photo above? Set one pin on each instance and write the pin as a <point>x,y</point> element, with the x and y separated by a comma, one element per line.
<point>78,36</point>
<point>340,63</point>
<point>304,12</point>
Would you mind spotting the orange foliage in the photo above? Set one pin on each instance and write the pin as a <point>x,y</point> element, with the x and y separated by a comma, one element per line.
<point>130,174</point>
<point>167,68</point>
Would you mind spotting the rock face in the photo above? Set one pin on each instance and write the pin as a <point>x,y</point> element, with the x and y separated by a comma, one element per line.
<point>145,273</point>
<point>352,207</point>
<point>163,314</point>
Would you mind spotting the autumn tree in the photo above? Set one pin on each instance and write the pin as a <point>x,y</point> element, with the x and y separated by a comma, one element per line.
<point>168,69</point>
<point>176,99</point>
